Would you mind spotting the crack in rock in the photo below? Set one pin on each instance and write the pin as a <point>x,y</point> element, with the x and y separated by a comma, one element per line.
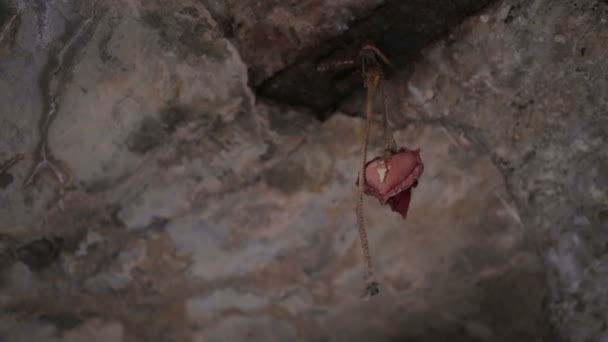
<point>52,83</point>
<point>400,29</point>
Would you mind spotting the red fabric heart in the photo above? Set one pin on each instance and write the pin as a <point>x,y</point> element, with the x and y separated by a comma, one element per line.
<point>393,184</point>
<point>401,202</point>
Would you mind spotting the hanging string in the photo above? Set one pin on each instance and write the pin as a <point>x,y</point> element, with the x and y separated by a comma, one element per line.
<point>371,82</point>
<point>372,72</point>
<point>389,141</point>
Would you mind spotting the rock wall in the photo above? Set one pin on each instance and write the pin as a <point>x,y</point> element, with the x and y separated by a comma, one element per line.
<point>526,81</point>
<point>149,194</point>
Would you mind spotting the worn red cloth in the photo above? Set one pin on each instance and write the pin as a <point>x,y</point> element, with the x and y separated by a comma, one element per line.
<point>390,178</point>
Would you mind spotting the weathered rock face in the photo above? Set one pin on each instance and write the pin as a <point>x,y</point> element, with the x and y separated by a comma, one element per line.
<point>170,203</point>
<point>526,81</point>
<point>284,48</point>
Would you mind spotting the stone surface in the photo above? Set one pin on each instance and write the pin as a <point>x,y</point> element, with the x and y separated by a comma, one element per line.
<point>287,265</point>
<point>525,81</point>
<point>271,34</point>
<point>399,28</point>
<point>197,211</point>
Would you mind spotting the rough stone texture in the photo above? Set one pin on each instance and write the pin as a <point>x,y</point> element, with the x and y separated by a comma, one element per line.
<point>526,81</point>
<point>399,28</point>
<point>197,212</point>
<point>272,34</point>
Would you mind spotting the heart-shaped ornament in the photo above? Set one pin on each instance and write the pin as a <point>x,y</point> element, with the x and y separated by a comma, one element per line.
<point>390,178</point>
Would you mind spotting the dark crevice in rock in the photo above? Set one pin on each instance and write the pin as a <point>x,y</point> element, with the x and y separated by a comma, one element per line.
<point>400,29</point>
<point>63,322</point>
<point>6,178</point>
<point>9,23</point>
<point>5,13</point>
<point>157,224</point>
<point>150,134</point>
<point>40,254</point>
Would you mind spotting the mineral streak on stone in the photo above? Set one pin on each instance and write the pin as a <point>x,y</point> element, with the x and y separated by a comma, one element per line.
<point>8,31</point>
<point>52,84</point>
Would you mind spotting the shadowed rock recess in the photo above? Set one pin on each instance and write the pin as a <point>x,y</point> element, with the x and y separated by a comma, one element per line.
<point>180,171</point>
